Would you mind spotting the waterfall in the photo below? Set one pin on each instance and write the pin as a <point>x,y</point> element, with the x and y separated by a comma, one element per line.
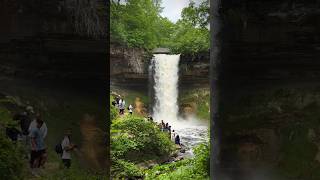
<point>165,72</point>
<point>166,68</point>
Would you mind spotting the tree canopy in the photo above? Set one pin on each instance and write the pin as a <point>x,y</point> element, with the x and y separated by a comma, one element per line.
<point>138,23</point>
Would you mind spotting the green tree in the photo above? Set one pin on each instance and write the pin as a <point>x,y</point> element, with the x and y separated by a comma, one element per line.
<point>191,33</point>
<point>197,15</point>
<point>188,39</point>
<point>135,23</point>
<point>138,23</point>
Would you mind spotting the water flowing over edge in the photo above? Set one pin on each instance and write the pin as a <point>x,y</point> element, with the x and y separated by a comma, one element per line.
<point>165,70</point>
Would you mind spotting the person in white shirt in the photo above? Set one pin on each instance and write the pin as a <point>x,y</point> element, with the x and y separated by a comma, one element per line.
<point>43,129</point>
<point>173,135</point>
<point>67,147</point>
<point>122,106</point>
<point>130,109</point>
<point>43,132</point>
<point>119,104</point>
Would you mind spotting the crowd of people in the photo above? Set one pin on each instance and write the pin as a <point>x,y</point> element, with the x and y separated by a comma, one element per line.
<point>120,103</point>
<point>164,127</point>
<point>172,134</point>
<point>32,132</point>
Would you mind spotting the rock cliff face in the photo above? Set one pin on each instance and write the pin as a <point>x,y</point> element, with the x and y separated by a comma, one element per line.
<point>52,40</point>
<point>269,70</point>
<point>130,66</point>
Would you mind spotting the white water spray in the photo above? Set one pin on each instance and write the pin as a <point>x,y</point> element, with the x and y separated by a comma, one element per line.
<point>166,87</point>
<point>166,75</point>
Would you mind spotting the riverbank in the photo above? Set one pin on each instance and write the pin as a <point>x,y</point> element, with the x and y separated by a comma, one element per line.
<point>139,149</point>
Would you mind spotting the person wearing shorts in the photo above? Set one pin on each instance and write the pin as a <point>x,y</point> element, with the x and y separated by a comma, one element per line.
<point>38,149</point>
<point>67,147</point>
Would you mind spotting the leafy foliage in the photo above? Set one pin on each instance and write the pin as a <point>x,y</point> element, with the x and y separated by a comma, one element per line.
<point>196,168</point>
<point>135,23</point>
<point>122,168</point>
<point>113,111</point>
<point>11,159</point>
<point>197,16</point>
<point>134,140</point>
<point>138,23</point>
<point>137,135</point>
<point>11,154</point>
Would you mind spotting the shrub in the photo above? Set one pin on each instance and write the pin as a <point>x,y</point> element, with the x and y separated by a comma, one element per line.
<point>125,169</point>
<point>113,111</point>
<point>195,168</point>
<point>134,140</point>
<point>138,136</point>
<point>11,159</point>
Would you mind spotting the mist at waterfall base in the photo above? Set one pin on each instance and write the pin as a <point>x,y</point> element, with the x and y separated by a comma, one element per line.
<point>191,130</point>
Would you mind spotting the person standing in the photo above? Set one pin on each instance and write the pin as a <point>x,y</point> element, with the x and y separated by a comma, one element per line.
<point>169,130</point>
<point>119,105</point>
<point>118,99</point>
<point>38,148</point>
<point>162,125</point>
<point>67,147</point>
<point>123,106</point>
<point>130,109</point>
<point>177,140</point>
<point>173,135</point>
<point>166,128</point>
<point>24,121</point>
<point>43,129</point>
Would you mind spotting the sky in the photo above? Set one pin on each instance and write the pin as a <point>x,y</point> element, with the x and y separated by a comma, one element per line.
<point>172,9</point>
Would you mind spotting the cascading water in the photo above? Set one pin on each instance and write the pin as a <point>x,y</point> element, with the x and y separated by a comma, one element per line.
<point>166,87</point>
<point>165,71</point>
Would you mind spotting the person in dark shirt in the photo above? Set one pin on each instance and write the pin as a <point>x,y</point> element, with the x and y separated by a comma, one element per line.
<point>177,140</point>
<point>24,121</point>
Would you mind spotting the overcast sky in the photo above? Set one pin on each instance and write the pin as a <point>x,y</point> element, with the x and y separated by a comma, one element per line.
<point>172,8</point>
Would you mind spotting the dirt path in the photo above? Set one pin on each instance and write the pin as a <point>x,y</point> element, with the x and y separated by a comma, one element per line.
<point>139,107</point>
<point>93,149</point>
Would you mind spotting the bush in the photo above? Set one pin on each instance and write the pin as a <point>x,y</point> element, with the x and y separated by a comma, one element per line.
<point>125,169</point>
<point>11,159</point>
<point>138,136</point>
<point>202,159</point>
<point>134,140</point>
<point>196,168</point>
<point>113,113</point>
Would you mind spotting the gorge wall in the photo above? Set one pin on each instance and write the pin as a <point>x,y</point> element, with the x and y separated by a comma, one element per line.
<point>53,40</point>
<point>129,66</point>
<point>269,90</point>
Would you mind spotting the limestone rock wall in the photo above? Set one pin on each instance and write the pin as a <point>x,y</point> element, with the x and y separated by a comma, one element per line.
<point>130,65</point>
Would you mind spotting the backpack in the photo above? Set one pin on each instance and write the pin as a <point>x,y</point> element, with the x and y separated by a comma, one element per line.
<point>59,149</point>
